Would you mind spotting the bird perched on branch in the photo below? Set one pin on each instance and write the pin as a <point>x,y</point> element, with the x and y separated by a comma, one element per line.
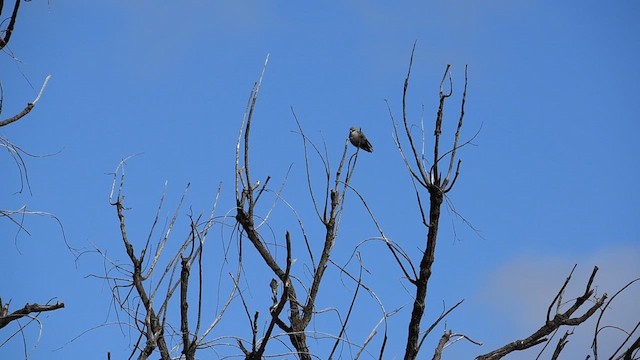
<point>359,140</point>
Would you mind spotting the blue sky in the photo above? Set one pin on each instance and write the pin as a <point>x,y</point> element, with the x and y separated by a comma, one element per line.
<point>550,182</point>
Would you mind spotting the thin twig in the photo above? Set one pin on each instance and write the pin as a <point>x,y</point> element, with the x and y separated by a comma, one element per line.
<point>29,106</point>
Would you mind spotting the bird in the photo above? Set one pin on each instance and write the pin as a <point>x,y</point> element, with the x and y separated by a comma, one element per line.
<point>274,287</point>
<point>359,140</point>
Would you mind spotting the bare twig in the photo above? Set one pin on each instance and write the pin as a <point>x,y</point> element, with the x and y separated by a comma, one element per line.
<point>438,320</point>
<point>455,141</point>
<point>326,167</point>
<point>414,148</point>
<point>343,326</point>
<point>436,186</point>
<point>245,208</point>
<point>30,105</point>
<point>275,313</point>
<point>594,344</point>
<point>139,301</point>
<point>385,314</point>
<point>558,299</point>
<point>561,343</point>
<point>449,338</point>
<point>391,246</point>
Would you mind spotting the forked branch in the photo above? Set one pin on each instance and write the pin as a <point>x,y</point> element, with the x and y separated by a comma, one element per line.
<point>552,324</point>
<point>435,185</point>
<point>301,311</point>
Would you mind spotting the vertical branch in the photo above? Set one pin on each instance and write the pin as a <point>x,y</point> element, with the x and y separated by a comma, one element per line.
<point>421,283</point>
<point>557,298</point>
<point>414,148</point>
<point>245,207</point>
<point>438,128</point>
<point>153,329</point>
<point>331,229</point>
<point>275,313</point>
<point>327,174</point>
<point>432,181</point>
<point>437,355</point>
<point>456,139</point>
<point>254,98</point>
<point>199,255</point>
<point>245,214</point>
<point>187,349</point>
<point>561,343</point>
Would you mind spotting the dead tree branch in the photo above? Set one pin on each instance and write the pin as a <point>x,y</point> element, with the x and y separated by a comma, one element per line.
<point>633,347</point>
<point>552,324</point>
<point>246,200</point>
<point>137,289</point>
<point>29,106</point>
<point>437,321</point>
<point>277,309</point>
<point>301,310</point>
<point>6,317</point>
<point>4,40</point>
<point>153,327</point>
<point>448,338</point>
<point>436,184</point>
<point>561,343</point>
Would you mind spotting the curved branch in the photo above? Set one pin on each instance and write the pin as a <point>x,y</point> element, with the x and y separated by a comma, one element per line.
<point>29,106</point>
<point>406,121</point>
<point>390,245</point>
<point>594,344</point>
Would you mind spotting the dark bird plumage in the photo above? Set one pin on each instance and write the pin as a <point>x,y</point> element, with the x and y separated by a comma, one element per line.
<point>359,140</point>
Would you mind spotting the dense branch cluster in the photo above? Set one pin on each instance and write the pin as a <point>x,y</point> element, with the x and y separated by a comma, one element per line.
<point>301,307</point>
<point>143,289</point>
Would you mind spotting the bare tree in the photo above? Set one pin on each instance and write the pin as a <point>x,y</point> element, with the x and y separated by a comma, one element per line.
<point>156,279</point>
<point>438,178</point>
<point>429,176</point>
<point>143,288</point>
<point>329,211</point>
